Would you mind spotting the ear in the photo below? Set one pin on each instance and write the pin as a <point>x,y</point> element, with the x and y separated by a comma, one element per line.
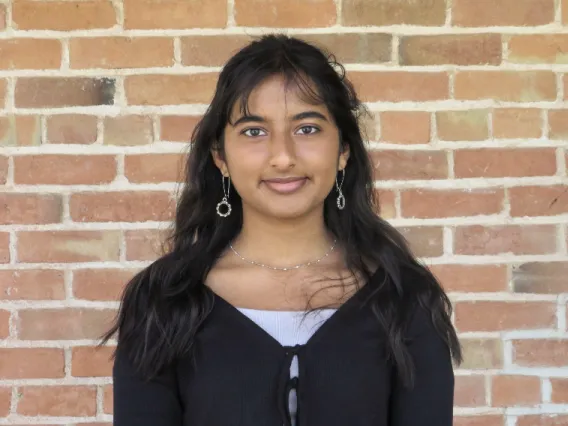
<point>220,162</point>
<point>344,156</point>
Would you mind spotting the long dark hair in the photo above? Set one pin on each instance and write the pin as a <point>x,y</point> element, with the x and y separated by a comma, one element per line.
<point>164,305</point>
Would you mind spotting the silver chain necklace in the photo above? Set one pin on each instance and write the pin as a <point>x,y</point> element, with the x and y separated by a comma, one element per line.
<point>252,262</point>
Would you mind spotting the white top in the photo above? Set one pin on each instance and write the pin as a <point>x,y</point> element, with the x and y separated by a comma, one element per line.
<point>288,328</point>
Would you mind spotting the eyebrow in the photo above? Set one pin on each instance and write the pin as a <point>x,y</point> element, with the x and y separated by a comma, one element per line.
<point>300,116</point>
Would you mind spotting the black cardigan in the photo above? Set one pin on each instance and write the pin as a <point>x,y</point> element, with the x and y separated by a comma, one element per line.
<point>241,376</point>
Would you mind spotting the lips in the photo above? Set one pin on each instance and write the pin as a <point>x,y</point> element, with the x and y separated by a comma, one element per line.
<point>285,185</point>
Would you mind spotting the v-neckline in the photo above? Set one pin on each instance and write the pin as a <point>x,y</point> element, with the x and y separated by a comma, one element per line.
<point>321,330</point>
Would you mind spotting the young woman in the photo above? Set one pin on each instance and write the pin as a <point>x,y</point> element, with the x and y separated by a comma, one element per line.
<point>284,298</point>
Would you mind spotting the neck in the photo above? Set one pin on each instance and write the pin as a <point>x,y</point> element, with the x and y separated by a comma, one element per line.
<point>281,243</point>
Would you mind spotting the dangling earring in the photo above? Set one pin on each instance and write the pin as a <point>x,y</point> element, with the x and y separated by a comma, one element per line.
<point>340,197</point>
<point>225,200</point>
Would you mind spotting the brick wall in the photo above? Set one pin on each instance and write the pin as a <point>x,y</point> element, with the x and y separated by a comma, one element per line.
<point>97,100</point>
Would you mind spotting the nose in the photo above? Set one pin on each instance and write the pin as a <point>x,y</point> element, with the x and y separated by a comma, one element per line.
<point>282,151</point>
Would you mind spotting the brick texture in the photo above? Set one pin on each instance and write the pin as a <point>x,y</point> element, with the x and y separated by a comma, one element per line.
<point>468,127</point>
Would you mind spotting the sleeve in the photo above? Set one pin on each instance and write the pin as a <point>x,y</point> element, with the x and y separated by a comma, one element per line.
<point>144,403</point>
<point>430,401</point>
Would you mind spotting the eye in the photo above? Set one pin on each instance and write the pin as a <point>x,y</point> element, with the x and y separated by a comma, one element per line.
<point>253,132</point>
<point>308,130</point>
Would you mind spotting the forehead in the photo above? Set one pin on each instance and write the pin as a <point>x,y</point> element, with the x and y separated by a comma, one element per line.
<point>275,95</point>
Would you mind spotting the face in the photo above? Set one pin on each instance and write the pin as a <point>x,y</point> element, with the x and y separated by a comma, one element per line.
<point>284,156</point>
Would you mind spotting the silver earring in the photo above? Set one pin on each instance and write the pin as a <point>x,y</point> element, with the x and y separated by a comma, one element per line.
<point>225,200</point>
<point>340,197</point>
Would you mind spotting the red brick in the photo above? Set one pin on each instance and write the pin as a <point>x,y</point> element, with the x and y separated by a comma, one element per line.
<point>211,50</point>
<point>63,324</point>
<point>63,15</point>
<point>68,246</point>
<point>543,420</point>
<point>483,420</point>
<point>20,130</point>
<point>5,401</point>
<point>511,391</point>
<point>517,123</point>
<point>35,284</point>
<point>541,277</point>
<point>27,208</point>
<point>482,354</point>
<point>538,48</point>
<point>3,169</point>
<point>56,92</point>
<point>87,361</point>
<point>425,203</point>
<point>4,247</point>
<point>404,164</point>
<point>462,49</point>
<point>471,278</point>
<point>72,129</point>
<point>540,352</point>
<point>398,86</point>
<point>501,316</point>
<point>57,401</point>
<point>177,128</point>
<point>108,399</point>
<point>559,390</point>
<point>424,241</point>
<point>174,14</point>
<point>4,324</point>
<point>406,127</point>
<point>100,284</point>
<point>285,13</point>
<point>132,206</point>
<point>154,168</point>
<point>57,169</point>
<point>29,53</point>
<point>557,121</point>
<point>506,86</point>
<point>121,52</point>
<point>393,12</point>
<point>515,239</point>
<point>469,125</point>
<point>486,13</point>
<point>145,244</point>
<point>515,162</point>
<point>32,363</point>
<point>386,203</point>
<point>170,89</point>
<point>469,391</point>
<point>538,200</point>
<point>128,130</point>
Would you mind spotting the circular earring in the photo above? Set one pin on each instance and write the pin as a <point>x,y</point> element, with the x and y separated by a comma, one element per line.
<point>225,201</point>
<point>340,197</point>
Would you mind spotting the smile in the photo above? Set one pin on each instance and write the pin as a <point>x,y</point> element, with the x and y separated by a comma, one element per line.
<point>285,186</point>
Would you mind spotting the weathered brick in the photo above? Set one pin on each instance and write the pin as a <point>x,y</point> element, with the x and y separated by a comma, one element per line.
<point>506,86</point>
<point>517,123</point>
<point>72,129</point>
<point>128,130</point>
<point>485,13</point>
<point>174,14</point>
<point>468,125</point>
<point>432,203</point>
<point>508,391</point>
<point>471,278</point>
<point>469,391</point>
<point>32,363</point>
<point>4,247</point>
<point>391,164</point>
<point>393,12</point>
<point>29,53</point>
<point>538,200</point>
<point>32,284</point>
<point>405,127</point>
<point>145,244</point>
<point>398,86</point>
<point>100,284</point>
<point>479,420</point>
<point>153,168</point>
<point>285,13</point>
<point>20,130</point>
<point>170,89</point>
<point>63,15</point>
<point>88,361</point>
<point>29,208</point>
<point>538,48</point>
<point>482,354</point>
<point>425,241</point>
<point>68,246</point>
<point>121,52</point>
<point>543,420</point>
<point>55,92</point>
<point>558,123</point>
<point>463,49</point>
<point>540,352</point>
<point>541,277</point>
<point>177,128</point>
<point>57,401</point>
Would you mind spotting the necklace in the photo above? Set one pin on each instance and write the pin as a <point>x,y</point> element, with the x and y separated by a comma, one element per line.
<point>289,267</point>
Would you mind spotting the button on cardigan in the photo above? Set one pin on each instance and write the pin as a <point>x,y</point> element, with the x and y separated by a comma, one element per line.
<point>240,376</point>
